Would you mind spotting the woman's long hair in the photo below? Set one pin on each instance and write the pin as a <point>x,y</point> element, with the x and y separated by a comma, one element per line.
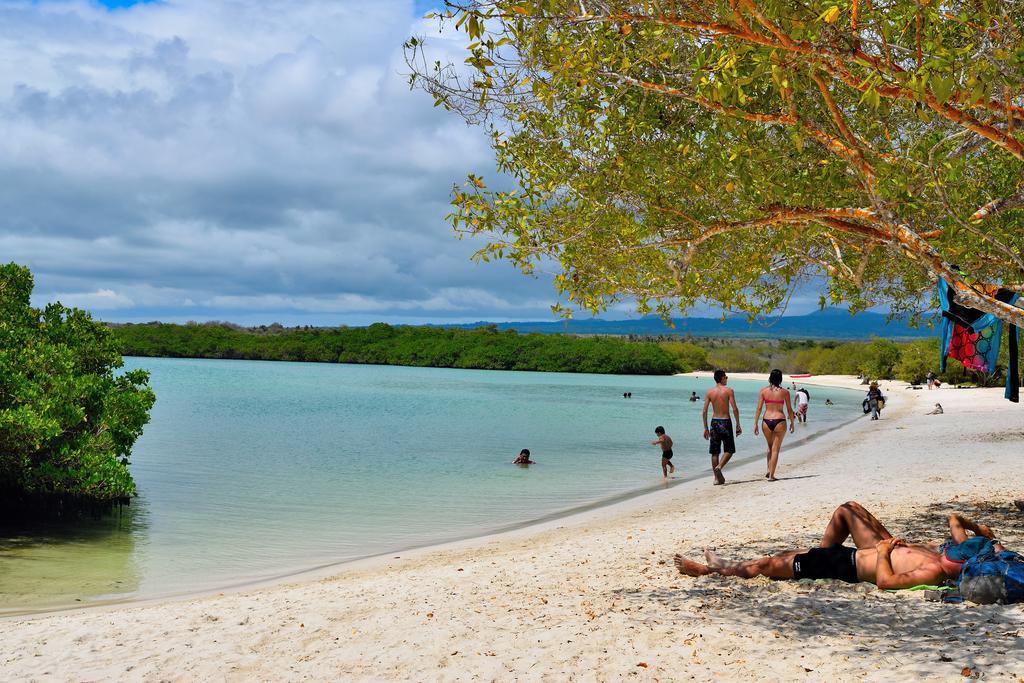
<point>775,378</point>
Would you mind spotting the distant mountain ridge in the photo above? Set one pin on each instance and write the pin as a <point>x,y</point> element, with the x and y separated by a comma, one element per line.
<point>830,323</point>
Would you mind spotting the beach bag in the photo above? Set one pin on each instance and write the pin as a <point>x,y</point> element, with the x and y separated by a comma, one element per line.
<point>993,577</point>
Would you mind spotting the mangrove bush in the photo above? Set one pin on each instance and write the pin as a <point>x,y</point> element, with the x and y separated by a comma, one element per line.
<point>67,421</point>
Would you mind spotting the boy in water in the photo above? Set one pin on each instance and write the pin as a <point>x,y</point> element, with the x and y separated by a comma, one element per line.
<point>523,458</point>
<point>665,441</point>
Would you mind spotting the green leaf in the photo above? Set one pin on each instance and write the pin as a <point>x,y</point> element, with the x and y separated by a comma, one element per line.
<point>942,88</point>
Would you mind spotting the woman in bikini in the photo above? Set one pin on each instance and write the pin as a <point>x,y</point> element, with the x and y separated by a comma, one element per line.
<point>772,398</point>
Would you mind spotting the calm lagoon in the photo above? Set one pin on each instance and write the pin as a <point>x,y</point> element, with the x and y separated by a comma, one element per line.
<point>251,470</point>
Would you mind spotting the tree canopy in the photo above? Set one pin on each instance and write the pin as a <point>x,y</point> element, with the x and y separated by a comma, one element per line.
<point>67,422</point>
<point>674,151</point>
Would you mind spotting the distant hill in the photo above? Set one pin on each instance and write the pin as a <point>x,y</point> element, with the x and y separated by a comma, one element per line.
<point>831,323</point>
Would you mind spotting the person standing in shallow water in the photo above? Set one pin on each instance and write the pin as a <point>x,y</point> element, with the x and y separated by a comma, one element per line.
<point>665,441</point>
<point>802,403</point>
<point>772,399</point>
<point>719,434</point>
<point>523,458</point>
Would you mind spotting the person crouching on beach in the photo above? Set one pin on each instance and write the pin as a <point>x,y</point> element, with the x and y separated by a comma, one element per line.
<point>523,458</point>
<point>665,441</point>
<point>802,402</point>
<point>719,434</point>
<point>772,398</point>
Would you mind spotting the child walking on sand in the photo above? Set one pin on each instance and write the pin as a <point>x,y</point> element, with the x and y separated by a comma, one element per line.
<point>665,441</point>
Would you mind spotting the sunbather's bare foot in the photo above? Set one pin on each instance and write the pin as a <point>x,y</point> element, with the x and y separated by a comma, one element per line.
<point>719,477</point>
<point>689,567</point>
<point>712,559</point>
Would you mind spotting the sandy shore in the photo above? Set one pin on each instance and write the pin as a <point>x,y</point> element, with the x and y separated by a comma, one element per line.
<point>595,597</point>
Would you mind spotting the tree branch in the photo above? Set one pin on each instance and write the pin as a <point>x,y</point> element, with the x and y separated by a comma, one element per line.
<point>830,142</point>
<point>997,206</point>
<point>925,255</point>
<point>832,60</point>
<point>767,23</point>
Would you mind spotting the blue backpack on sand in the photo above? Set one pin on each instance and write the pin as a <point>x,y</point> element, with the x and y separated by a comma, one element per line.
<point>993,577</point>
<point>961,552</point>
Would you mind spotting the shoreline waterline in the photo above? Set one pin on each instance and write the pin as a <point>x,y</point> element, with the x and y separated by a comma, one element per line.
<point>595,511</point>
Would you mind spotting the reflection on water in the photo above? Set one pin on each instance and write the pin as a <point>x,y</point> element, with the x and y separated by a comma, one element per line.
<point>55,564</point>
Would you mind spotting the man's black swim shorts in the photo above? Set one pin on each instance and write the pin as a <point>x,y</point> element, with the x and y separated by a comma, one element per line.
<point>833,562</point>
<point>667,454</point>
<point>721,436</point>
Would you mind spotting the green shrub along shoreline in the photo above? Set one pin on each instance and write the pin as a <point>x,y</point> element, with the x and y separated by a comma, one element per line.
<point>381,344</point>
<point>67,419</point>
<point>879,358</point>
<point>489,349</point>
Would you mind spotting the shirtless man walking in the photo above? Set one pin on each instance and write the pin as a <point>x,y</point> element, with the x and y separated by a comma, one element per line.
<point>879,558</point>
<point>719,433</point>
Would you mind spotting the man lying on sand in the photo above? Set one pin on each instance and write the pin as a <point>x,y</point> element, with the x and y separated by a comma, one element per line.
<point>879,558</point>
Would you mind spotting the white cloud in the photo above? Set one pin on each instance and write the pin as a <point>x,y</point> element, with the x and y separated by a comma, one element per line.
<point>209,158</point>
<point>446,302</point>
<point>100,300</point>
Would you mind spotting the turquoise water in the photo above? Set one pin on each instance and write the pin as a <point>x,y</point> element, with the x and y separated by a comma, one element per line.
<point>250,470</point>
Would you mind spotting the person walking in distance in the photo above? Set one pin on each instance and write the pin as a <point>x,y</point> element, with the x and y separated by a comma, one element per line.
<point>876,400</point>
<point>772,399</point>
<point>720,432</point>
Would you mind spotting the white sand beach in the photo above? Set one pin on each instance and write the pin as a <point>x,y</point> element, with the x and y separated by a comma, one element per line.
<point>596,597</point>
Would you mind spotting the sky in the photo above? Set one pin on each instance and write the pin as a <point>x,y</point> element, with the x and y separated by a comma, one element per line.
<point>251,161</point>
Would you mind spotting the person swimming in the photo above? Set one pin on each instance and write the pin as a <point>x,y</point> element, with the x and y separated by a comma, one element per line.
<point>523,458</point>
